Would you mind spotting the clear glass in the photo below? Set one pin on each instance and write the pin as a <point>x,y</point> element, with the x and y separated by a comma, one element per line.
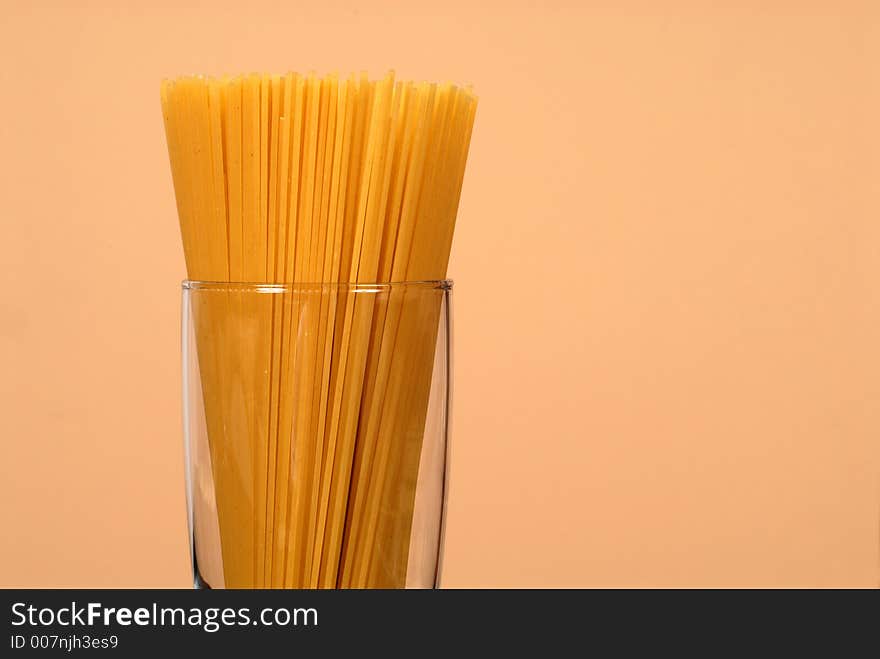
<point>316,429</point>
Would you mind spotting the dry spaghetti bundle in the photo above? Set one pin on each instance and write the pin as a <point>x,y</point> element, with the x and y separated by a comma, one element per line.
<point>319,182</point>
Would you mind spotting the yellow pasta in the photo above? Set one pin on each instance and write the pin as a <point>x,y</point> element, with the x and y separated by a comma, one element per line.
<point>319,181</point>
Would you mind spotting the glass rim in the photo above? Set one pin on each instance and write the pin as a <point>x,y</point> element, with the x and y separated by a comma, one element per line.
<point>278,287</point>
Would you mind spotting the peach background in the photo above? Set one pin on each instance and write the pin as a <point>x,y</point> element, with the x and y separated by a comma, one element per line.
<point>668,283</point>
